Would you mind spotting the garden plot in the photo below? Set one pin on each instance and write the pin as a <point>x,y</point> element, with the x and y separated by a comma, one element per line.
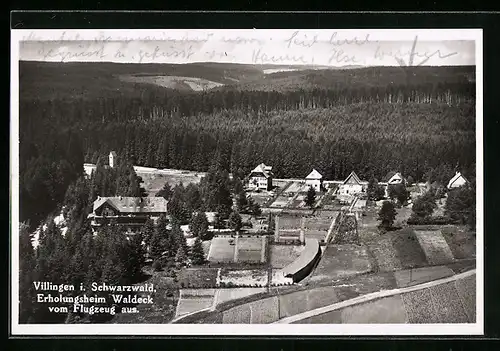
<point>466,289</point>
<point>419,307</point>
<point>283,255</point>
<point>385,310</point>
<point>448,304</point>
<point>197,277</point>
<point>289,222</point>
<point>221,250</point>
<point>295,187</point>
<point>341,261</point>
<point>281,201</point>
<point>193,300</point>
<point>435,247</point>
<point>243,278</point>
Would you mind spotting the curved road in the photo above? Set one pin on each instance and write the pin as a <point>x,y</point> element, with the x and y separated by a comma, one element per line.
<point>370,297</point>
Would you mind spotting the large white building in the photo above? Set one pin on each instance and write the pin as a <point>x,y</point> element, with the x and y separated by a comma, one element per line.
<point>261,178</point>
<point>458,180</point>
<point>314,180</point>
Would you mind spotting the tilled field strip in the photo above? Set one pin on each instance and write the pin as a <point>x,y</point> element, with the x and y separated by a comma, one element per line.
<point>372,296</point>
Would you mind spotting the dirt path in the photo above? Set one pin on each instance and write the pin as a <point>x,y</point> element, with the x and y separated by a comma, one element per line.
<point>369,297</point>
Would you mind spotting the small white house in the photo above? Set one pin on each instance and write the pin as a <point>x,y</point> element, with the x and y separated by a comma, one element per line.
<point>261,178</point>
<point>458,180</point>
<point>397,178</point>
<point>112,159</point>
<point>351,185</point>
<point>314,180</point>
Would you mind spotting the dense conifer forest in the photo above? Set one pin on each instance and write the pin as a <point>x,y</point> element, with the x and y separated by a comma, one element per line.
<point>419,121</point>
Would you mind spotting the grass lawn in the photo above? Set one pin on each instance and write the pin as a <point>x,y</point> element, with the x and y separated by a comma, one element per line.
<point>224,295</point>
<point>283,255</point>
<point>332,317</point>
<point>340,261</point>
<point>462,242</point>
<point>386,310</point>
<point>408,249</point>
<point>221,250</point>
<point>154,182</point>
<point>191,304</point>
<point>410,277</point>
<point>197,277</point>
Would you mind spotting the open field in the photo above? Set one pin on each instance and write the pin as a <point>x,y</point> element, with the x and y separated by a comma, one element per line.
<point>154,182</point>
<point>283,255</point>
<point>173,82</point>
<point>341,261</point>
<point>385,310</point>
<point>447,303</point>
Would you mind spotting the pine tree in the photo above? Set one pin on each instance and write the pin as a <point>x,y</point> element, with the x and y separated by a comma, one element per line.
<point>199,225</point>
<point>424,205</point>
<point>158,242</point>
<point>165,192</point>
<point>310,197</point>
<point>387,215</point>
<point>26,266</point>
<point>197,254</point>
<point>147,232</point>
<point>374,191</point>
<point>181,256</point>
<point>235,222</point>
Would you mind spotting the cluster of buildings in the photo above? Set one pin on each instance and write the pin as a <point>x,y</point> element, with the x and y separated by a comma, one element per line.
<point>132,212</point>
<point>261,178</point>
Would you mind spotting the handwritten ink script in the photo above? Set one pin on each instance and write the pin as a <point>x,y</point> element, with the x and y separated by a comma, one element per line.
<point>329,48</point>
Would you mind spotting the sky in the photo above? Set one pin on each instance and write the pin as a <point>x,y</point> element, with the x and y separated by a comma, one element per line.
<point>285,47</point>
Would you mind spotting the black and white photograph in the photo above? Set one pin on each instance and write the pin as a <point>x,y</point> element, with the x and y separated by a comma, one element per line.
<point>247,182</point>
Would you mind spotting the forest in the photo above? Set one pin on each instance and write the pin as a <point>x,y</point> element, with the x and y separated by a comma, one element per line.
<point>419,121</point>
<point>370,120</point>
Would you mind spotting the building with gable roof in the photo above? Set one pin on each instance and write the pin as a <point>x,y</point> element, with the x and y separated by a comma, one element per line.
<point>351,185</point>
<point>130,212</point>
<point>261,178</point>
<point>112,159</point>
<point>457,181</point>
<point>315,180</point>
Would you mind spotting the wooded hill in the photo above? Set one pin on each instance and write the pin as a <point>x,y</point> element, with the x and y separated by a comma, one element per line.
<point>370,120</point>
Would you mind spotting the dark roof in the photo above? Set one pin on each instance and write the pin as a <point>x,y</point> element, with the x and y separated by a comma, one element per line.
<point>133,204</point>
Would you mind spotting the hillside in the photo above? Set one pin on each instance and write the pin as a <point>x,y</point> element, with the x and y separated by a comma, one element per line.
<point>47,80</point>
